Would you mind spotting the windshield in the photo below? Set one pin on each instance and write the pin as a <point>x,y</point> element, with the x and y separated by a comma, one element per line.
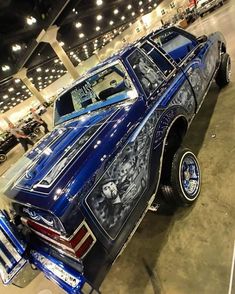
<point>103,88</point>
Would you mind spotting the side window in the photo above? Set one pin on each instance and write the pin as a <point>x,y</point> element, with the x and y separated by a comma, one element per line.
<point>148,73</point>
<point>175,44</point>
<point>165,66</point>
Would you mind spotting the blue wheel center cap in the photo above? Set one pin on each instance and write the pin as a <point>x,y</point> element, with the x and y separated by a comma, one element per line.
<point>190,176</point>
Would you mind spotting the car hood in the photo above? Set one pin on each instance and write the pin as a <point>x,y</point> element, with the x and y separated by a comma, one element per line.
<point>47,168</point>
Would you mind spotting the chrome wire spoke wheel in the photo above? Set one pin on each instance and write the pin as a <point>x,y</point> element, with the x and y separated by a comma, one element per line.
<point>190,177</point>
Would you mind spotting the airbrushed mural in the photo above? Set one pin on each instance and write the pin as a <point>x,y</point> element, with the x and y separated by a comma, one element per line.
<point>119,190</point>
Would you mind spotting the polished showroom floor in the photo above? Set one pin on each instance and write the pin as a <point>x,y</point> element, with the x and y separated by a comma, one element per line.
<point>189,252</point>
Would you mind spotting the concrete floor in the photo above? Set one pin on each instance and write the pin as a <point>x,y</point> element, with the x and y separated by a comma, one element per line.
<point>191,251</point>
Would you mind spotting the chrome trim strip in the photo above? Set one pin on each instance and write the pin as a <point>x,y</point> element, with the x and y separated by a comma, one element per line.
<point>9,247</point>
<point>5,259</point>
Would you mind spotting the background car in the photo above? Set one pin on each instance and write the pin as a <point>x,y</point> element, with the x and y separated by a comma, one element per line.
<point>7,143</point>
<point>206,6</point>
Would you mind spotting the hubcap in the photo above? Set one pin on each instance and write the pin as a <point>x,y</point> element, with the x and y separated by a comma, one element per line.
<point>2,157</point>
<point>190,175</point>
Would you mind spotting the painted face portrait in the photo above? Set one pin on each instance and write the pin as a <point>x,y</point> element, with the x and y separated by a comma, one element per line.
<point>109,190</point>
<point>124,170</point>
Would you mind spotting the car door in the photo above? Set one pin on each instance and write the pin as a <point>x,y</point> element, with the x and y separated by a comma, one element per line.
<point>196,58</point>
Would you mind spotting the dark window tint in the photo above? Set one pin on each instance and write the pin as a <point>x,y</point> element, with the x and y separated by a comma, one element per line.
<point>175,44</point>
<point>147,72</point>
<point>165,66</point>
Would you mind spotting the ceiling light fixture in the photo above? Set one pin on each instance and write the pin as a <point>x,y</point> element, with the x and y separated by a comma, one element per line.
<point>81,35</point>
<point>111,22</point>
<point>115,11</point>
<point>31,20</point>
<point>17,81</point>
<point>97,29</point>
<point>5,67</point>
<point>99,17</point>
<point>16,47</point>
<point>78,25</point>
<point>99,2</point>
<point>129,6</point>
<point>123,17</point>
<point>141,2</point>
<point>61,43</point>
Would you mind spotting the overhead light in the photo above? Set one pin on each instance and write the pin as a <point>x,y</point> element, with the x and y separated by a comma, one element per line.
<point>53,70</point>
<point>61,43</point>
<point>123,17</point>
<point>31,20</point>
<point>141,2</point>
<point>99,2</point>
<point>150,0</point>
<point>155,5</point>
<point>11,89</point>
<point>111,22</point>
<point>97,29</point>
<point>129,6</point>
<point>81,35</point>
<point>5,67</point>
<point>17,81</point>
<point>133,13</point>
<point>115,11</point>
<point>99,17</point>
<point>5,97</point>
<point>141,10</point>
<point>16,47</point>
<point>56,60</point>
<point>38,69</point>
<point>71,53</point>
<point>23,87</point>
<point>78,25</point>
<point>84,46</point>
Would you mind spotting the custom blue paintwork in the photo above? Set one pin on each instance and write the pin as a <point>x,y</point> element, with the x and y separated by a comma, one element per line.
<point>84,187</point>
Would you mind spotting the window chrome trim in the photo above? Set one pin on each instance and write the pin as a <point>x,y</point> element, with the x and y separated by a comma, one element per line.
<point>164,56</point>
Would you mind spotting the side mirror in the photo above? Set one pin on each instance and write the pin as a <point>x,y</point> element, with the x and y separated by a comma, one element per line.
<point>202,39</point>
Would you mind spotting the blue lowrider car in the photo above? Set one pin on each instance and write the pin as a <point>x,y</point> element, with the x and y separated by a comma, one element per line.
<point>78,196</point>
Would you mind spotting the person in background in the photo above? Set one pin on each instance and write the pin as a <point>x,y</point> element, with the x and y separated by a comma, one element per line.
<point>20,136</point>
<point>37,118</point>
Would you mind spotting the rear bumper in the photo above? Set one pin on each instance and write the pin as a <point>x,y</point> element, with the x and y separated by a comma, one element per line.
<point>15,254</point>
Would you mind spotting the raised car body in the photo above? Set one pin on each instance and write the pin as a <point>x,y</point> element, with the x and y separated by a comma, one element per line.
<point>79,195</point>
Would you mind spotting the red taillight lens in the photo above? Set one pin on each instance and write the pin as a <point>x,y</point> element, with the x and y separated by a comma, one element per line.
<point>78,244</point>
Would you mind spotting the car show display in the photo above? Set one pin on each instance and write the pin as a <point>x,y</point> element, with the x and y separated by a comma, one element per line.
<point>77,197</point>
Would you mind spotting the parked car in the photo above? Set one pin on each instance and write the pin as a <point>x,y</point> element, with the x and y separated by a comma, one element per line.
<point>79,195</point>
<point>31,127</point>
<point>7,143</point>
<point>207,6</point>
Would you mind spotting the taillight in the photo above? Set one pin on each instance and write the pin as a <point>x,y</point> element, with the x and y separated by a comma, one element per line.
<point>78,244</point>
